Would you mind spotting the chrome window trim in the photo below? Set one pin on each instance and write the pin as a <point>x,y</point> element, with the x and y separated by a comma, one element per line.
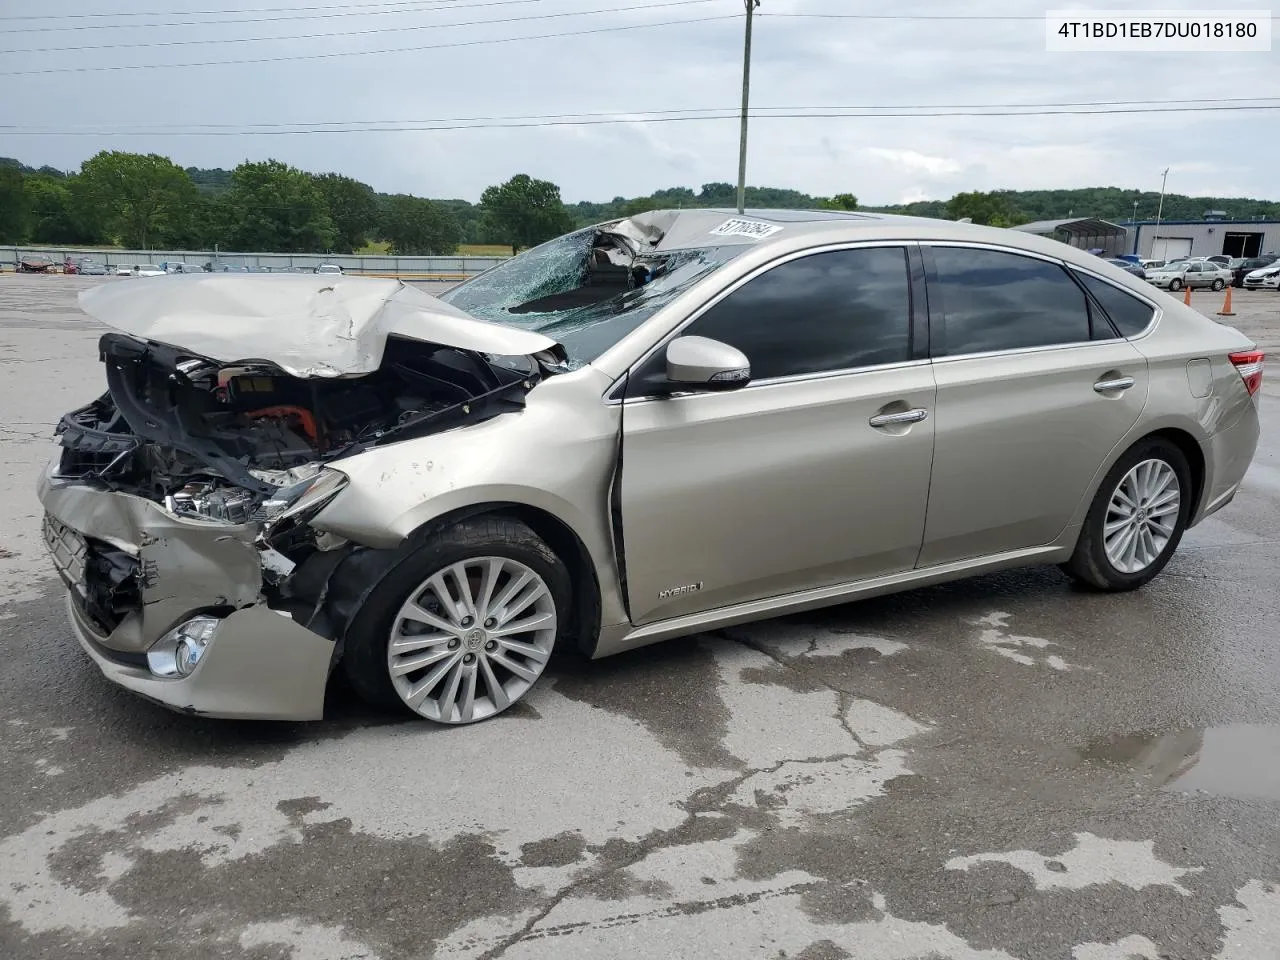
<point>610,395</point>
<point>1033,255</point>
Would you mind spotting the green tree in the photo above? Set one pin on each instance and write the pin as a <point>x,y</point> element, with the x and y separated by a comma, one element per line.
<point>353,207</point>
<point>639,205</point>
<point>524,211</point>
<point>990,209</point>
<point>55,217</point>
<point>277,208</point>
<point>842,201</point>
<point>417,227</point>
<point>138,198</point>
<point>14,213</point>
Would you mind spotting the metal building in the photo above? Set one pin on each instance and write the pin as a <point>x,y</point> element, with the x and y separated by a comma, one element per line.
<point>1087,233</point>
<point>1203,238</point>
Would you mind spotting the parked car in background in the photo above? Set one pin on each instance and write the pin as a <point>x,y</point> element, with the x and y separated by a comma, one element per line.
<point>1219,258</point>
<point>124,270</point>
<point>1151,264</point>
<point>433,495</point>
<point>35,265</point>
<point>178,266</point>
<point>146,270</point>
<point>1128,265</point>
<point>70,267</point>
<point>1190,273</point>
<point>1241,267</point>
<point>1265,278</point>
<point>331,268</point>
<point>91,268</point>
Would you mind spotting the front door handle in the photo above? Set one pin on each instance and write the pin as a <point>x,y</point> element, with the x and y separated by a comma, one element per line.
<point>898,419</point>
<point>1112,386</point>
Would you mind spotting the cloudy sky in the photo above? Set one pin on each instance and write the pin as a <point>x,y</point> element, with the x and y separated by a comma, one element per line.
<point>321,64</point>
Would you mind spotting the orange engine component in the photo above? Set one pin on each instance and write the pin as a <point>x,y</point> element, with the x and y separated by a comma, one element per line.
<point>306,420</point>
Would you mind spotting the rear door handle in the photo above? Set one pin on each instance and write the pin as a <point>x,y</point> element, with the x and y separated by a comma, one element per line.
<point>1111,386</point>
<point>898,419</point>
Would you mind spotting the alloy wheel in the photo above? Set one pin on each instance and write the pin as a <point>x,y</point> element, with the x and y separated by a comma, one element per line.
<point>472,639</point>
<point>1142,516</point>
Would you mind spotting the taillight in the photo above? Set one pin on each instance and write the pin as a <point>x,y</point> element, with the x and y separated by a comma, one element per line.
<point>1249,364</point>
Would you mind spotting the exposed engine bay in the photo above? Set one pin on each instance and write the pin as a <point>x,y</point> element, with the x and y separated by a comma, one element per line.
<point>219,442</point>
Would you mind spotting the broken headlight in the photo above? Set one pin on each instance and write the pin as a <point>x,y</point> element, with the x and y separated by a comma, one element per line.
<point>304,498</point>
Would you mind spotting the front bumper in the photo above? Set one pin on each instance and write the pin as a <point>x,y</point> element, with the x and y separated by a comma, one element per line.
<point>134,571</point>
<point>1266,283</point>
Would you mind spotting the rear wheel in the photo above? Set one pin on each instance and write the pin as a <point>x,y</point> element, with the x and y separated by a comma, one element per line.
<point>1175,284</point>
<point>1219,284</point>
<point>464,628</point>
<point>1136,520</point>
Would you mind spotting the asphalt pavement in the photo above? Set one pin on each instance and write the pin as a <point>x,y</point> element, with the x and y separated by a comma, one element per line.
<point>1003,767</point>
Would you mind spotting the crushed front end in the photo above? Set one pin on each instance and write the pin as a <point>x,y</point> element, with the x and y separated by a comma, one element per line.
<point>176,513</point>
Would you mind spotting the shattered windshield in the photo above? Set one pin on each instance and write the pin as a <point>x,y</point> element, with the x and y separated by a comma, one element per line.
<point>584,290</point>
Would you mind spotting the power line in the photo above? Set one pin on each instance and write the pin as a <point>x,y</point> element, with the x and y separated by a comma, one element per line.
<point>925,17</point>
<point>203,13</point>
<point>436,7</point>
<point>358,33</point>
<point>363,53</point>
<point>438,126</point>
<point>628,115</point>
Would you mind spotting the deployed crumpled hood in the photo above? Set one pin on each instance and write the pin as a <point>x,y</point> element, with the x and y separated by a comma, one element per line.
<point>307,325</point>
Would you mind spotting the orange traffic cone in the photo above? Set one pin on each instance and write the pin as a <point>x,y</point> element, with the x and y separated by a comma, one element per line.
<point>1186,298</point>
<point>1226,306</point>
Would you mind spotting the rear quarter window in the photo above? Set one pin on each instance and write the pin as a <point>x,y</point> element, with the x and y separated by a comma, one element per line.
<point>1128,314</point>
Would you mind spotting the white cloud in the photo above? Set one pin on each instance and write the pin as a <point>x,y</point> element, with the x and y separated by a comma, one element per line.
<point>911,161</point>
<point>798,62</point>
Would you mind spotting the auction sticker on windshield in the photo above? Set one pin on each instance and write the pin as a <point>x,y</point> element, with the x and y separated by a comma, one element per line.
<point>738,227</point>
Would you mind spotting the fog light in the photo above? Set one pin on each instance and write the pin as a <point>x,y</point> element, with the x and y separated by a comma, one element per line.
<point>179,651</point>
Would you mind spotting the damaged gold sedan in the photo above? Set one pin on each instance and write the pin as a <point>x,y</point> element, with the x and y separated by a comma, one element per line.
<point>638,431</point>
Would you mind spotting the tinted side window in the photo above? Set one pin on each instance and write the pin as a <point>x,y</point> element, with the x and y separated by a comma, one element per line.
<point>828,311</point>
<point>1002,301</point>
<point>1129,314</point>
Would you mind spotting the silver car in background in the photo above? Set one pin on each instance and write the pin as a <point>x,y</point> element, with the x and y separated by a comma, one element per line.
<point>642,430</point>
<point>1189,273</point>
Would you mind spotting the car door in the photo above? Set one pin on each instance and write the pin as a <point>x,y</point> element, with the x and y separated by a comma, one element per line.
<point>817,472</point>
<point>1034,392</point>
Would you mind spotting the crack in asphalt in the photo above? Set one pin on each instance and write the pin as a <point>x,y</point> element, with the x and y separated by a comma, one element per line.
<point>844,699</point>
<point>706,799</point>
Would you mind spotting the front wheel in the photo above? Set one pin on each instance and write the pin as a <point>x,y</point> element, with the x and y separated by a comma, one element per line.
<point>464,627</point>
<point>1136,520</point>
<point>1218,284</point>
<point>1175,284</point>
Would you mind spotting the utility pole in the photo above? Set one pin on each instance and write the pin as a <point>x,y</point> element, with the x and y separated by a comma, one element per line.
<point>746,102</point>
<point>1164,179</point>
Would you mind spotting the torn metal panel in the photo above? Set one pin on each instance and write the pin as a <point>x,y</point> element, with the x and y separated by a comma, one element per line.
<point>308,326</point>
<point>183,565</point>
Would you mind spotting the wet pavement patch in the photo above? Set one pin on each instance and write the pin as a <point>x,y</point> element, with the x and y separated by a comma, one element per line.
<point>1233,760</point>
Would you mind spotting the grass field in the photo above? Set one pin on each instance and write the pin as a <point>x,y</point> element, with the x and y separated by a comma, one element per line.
<point>381,248</point>
<point>484,250</point>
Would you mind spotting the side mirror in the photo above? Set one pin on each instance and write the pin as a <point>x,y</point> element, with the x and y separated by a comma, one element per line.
<point>700,363</point>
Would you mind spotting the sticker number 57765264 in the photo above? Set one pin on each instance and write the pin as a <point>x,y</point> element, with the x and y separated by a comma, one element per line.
<point>738,227</point>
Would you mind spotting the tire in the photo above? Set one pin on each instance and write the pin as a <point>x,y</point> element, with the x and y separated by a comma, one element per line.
<point>498,669</point>
<point>1092,563</point>
<point>1218,285</point>
<point>1175,284</point>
